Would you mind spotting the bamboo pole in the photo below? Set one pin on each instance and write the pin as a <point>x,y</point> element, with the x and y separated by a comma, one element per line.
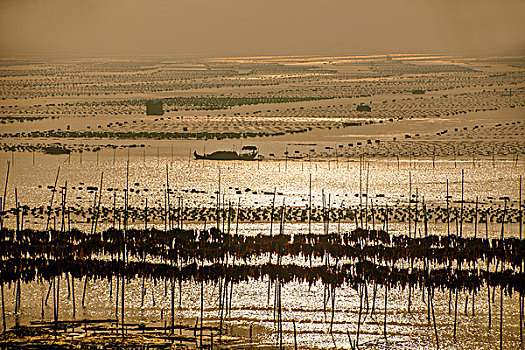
<point>448,212</point>
<point>202,309</point>
<point>219,201</point>
<point>352,344</point>
<point>94,212</point>
<point>143,286</point>
<point>493,156</point>
<point>172,323</point>
<point>168,207</point>
<point>386,217</point>
<point>409,204</point>
<point>455,315</point>
<point>223,304</point>
<point>181,205</point>
<point>122,299</point>
<point>272,212</point>
<point>501,318</point>
<point>488,299</point>
<point>146,215</point>
<point>84,292</point>
<point>328,213</point>
<point>117,291</point>
<point>373,214</point>
<point>54,302</point>
<point>416,213</point>
<point>17,210</point>
<point>52,197</point>
<point>434,158</point>
<point>283,217</point>
<point>58,302</point>
<point>114,207</point>
<point>361,190</point>
<point>361,292</point>
<point>462,201</point>
<point>333,311</point>
<point>384,323</point>
<point>366,193</point>
<point>503,221</point>
<point>466,304</point>
<point>229,215</point>
<point>3,307</point>
<point>124,251</point>
<point>310,206</point>
<point>166,210</point>
<point>280,318</point>
<point>521,266</point>
<point>63,225</point>
<point>237,217</point>
<point>294,335</point>
<point>372,312</point>
<point>520,213</point>
<point>98,206</point>
<point>476,220</point>
<point>73,295</point>
<point>520,298</point>
<point>434,319</point>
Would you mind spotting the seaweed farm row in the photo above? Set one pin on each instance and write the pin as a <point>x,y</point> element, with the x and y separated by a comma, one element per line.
<point>230,213</point>
<point>363,260</point>
<point>30,254</point>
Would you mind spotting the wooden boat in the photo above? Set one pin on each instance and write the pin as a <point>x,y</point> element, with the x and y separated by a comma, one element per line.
<point>56,150</point>
<point>247,153</point>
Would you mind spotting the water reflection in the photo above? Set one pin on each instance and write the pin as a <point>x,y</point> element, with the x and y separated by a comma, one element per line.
<point>254,184</point>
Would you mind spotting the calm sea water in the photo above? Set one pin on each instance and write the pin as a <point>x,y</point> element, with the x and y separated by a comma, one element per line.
<point>387,183</point>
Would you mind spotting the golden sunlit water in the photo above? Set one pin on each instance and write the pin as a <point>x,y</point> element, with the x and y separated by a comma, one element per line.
<point>252,184</point>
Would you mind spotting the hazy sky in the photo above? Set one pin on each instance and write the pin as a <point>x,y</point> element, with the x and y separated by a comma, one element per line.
<point>257,27</point>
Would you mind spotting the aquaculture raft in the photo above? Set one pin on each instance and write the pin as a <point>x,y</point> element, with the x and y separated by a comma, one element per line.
<point>354,259</point>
